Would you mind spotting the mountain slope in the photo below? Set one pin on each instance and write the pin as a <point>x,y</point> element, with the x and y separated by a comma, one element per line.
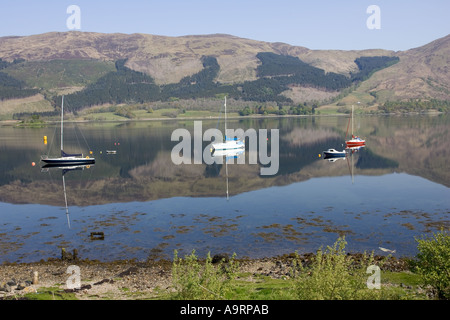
<point>421,73</point>
<point>156,55</point>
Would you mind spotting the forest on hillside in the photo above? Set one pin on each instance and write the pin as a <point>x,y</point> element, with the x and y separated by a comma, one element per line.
<point>275,74</point>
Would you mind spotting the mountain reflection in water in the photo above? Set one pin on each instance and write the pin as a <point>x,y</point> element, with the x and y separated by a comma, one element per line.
<point>147,206</point>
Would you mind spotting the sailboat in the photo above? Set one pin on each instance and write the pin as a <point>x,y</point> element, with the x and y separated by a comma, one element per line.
<point>355,141</point>
<point>229,143</point>
<point>65,158</point>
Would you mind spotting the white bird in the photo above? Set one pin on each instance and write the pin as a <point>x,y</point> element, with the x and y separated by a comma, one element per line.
<point>386,250</point>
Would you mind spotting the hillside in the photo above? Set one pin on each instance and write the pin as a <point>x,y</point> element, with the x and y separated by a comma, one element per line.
<point>155,55</point>
<point>421,73</point>
<point>50,64</point>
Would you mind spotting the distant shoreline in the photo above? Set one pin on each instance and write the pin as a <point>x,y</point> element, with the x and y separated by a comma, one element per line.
<point>46,122</point>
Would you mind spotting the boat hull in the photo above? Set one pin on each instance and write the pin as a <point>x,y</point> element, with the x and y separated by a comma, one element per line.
<point>334,154</point>
<point>351,144</point>
<point>355,142</point>
<point>68,161</point>
<point>229,145</point>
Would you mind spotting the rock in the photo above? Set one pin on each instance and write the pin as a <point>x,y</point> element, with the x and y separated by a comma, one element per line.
<point>129,271</point>
<point>65,255</point>
<point>82,288</point>
<point>20,286</point>
<point>6,288</point>
<point>222,257</point>
<point>29,290</point>
<point>69,256</point>
<point>104,281</point>
<point>280,264</point>
<point>97,236</point>
<point>12,282</point>
<point>75,254</point>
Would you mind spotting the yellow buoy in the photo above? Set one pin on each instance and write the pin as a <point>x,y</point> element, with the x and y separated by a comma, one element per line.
<point>320,155</point>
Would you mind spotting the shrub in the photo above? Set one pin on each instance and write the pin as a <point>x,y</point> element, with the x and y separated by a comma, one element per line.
<point>194,280</point>
<point>335,275</point>
<point>434,262</point>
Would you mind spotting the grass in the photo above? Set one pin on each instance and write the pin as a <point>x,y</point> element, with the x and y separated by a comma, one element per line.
<point>259,287</point>
<point>50,293</point>
<point>246,286</point>
<point>142,114</point>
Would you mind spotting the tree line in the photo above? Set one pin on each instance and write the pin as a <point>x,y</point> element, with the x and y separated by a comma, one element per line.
<point>368,65</point>
<point>415,105</point>
<point>291,70</point>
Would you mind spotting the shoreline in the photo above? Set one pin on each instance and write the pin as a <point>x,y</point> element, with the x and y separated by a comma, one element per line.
<point>131,279</point>
<point>46,122</point>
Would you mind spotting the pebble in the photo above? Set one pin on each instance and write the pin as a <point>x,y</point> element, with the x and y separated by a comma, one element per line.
<point>6,288</point>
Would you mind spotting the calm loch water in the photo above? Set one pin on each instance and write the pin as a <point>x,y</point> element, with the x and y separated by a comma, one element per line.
<point>385,195</point>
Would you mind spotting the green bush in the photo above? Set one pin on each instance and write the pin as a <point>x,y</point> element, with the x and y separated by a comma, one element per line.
<point>196,280</point>
<point>434,262</point>
<point>335,275</point>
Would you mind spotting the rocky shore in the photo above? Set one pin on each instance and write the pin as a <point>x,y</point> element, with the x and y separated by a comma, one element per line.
<point>125,280</point>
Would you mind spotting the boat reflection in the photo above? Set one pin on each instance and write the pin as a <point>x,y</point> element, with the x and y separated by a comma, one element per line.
<point>64,170</point>
<point>332,154</point>
<point>353,150</point>
<point>218,155</point>
<point>229,154</point>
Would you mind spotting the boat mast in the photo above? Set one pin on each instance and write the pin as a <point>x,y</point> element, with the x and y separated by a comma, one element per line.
<point>352,120</point>
<point>225,104</point>
<point>62,115</point>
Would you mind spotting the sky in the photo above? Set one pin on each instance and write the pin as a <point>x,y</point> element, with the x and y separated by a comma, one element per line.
<point>322,25</point>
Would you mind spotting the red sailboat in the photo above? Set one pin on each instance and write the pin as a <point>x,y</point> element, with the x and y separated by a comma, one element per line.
<point>355,141</point>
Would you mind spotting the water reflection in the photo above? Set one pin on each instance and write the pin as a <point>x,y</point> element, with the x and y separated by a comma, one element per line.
<point>142,156</point>
<point>229,155</point>
<point>146,204</point>
<point>64,170</point>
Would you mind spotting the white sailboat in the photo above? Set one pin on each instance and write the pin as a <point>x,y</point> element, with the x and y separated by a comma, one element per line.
<point>66,159</point>
<point>228,144</point>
